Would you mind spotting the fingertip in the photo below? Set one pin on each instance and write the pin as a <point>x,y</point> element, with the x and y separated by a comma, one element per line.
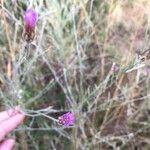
<point>10,113</point>
<point>19,118</point>
<point>10,124</point>
<point>7,144</point>
<point>18,108</point>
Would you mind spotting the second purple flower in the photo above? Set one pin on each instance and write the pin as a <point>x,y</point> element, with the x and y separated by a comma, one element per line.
<point>67,119</point>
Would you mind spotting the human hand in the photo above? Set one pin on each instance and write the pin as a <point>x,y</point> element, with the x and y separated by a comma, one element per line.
<point>9,120</point>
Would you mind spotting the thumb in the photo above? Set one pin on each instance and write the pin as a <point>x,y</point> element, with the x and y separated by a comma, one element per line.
<point>7,144</point>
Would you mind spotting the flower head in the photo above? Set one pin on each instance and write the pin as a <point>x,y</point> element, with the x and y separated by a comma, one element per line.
<point>30,19</point>
<point>148,71</point>
<point>67,119</point>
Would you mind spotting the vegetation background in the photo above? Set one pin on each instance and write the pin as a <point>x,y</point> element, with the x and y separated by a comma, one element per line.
<point>77,62</point>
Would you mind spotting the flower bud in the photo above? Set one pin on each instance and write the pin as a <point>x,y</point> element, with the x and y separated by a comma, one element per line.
<point>30,20</point>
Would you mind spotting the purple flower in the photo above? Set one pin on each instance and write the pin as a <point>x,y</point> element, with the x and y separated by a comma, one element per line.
<point>67,119</point>
<point>148,71</point>
<point>30,19</point>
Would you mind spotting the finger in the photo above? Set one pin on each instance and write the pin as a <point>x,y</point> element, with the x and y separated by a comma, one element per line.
<point>10,124</point>
<point>9,113</point>
<point>7,144</point>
